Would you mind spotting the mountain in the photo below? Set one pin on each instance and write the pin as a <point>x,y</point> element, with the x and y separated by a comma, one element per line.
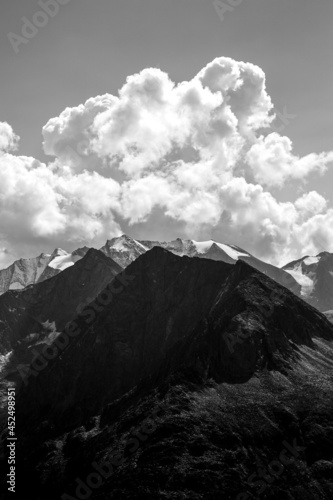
<point>194,377</point>
<point>25,272</point>
<point>39,309</point>
<point>329,315</point>
<point>125,250</point>
<point>166,299</point>
<point>315,276</point>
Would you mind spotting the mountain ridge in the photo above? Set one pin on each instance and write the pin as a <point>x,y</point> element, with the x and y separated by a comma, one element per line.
<point>54,300</point>
<point>138,319</point>
<point>315,276</point>
<point>25,272</point>
<point>206,367</point>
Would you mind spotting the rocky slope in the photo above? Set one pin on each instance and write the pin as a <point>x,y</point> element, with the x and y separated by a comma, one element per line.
<point>212,366</point>
<point>315,275</point>
<point>195,439</point>
<point>25,272</point>
<point>39,309</point>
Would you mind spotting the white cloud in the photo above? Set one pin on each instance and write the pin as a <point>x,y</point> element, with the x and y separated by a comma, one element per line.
<point>316,234</point>
<point>194,153</point>
<point>273,163</point>
<point>39,202</point>
<point>8,140</point>
<point>310,204</point>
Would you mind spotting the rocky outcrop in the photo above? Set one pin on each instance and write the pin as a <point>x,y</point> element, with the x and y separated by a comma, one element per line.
<point>24,272</point>
<point>315,276</point>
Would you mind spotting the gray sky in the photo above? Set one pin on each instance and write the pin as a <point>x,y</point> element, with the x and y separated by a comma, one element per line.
<point>90,47</point>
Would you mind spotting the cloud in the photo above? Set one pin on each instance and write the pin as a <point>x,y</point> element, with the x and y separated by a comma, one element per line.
<point>310,204</point>
<point>8,140</point>
<point>39,203</point>
<point>315,234</point>
<point>201,154</point>
<point>273,163</point>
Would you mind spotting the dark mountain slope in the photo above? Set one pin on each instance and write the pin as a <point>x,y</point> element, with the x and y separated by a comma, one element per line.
<point>55,300</point>
<point>161,303</point>
<point>224,321</point>
<point>192,438</point>
<point>216,368</point>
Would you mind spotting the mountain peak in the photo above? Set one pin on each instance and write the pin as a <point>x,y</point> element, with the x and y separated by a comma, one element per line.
<point>123,249</point>
<point>123,239</point>
<point>59,252</point>
<point>315,275</point>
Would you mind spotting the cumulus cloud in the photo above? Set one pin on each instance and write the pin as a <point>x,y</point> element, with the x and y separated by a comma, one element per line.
<point>38,203</point>
<point>202,153</point>
<point>273,163</point>
<point>8,140</point>
<point>310,204</point>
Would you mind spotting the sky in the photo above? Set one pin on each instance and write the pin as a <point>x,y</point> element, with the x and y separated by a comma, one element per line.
<point>189,147</point>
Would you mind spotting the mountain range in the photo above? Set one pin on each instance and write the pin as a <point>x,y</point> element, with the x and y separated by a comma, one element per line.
<point>125,250</point>
<point>184,378</point>
<point>310,277</point>
<point>25,272</point>
<point>28,316</point>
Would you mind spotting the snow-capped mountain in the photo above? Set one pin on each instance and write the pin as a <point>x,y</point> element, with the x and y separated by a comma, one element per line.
<point>315,275</point>
<point>125,250</point>
<point>24,272</point>
<point>329,315</point>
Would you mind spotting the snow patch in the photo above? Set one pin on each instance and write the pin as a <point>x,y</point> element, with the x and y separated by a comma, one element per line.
<point>304,280</point>
<point>64,261</point>
<point>123,244</point>
<point>311,260</point>
<point>204,246</point>
<point>234,254</point>
<point>16,286</point>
